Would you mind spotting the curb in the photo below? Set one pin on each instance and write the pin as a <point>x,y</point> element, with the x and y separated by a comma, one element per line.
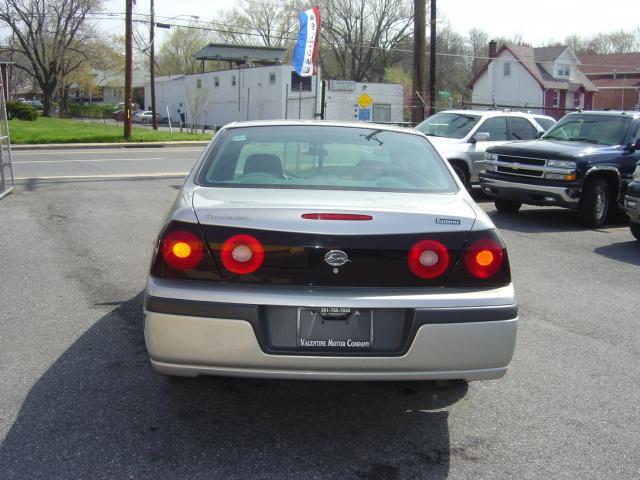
<point>72,146</point>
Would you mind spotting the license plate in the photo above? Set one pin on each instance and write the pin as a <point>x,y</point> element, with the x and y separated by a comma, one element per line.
<point>335,328</point>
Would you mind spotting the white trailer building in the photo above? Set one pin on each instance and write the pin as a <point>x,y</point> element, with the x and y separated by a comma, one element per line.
<point>266,92</point>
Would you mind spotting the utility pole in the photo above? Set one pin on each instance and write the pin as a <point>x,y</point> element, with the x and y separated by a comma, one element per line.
<point>419,60</point>
<point>152,69</point>
<point>128,65</point>
<point>432,60</point>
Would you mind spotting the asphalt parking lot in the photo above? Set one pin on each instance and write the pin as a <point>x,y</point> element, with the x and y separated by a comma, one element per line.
<point>79,400</point>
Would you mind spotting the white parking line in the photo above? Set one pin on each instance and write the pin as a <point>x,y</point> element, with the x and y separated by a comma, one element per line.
<point>114,175</point>
<point>104,151</point>
<point>22,162</point>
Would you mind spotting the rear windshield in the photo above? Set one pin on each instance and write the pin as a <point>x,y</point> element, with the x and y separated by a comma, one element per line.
<point>449,125</point>
<point>325,157</point>
<point>596,129</point>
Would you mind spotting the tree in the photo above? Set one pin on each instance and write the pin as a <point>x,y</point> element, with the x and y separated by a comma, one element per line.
<point>478,49</point>
<point>197,103</point>
<point>175,55</point>
<point>362,34</point>
<point>256,22</point>
<point>47,33</point>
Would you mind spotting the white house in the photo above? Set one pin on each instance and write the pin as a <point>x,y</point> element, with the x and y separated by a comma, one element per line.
<point>547,80</point>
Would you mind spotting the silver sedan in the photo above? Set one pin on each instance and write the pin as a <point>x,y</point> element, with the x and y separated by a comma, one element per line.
<point>317,250</point>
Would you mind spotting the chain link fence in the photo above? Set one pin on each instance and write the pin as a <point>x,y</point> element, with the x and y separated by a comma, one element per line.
<point>7,180</point>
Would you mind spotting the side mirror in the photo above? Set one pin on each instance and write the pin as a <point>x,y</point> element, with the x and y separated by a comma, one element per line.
<point>634,146</point>
<point>480,137</point>
<point>539,134</point>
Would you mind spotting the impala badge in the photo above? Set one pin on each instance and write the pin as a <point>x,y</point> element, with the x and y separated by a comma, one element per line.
<point>336,258</point>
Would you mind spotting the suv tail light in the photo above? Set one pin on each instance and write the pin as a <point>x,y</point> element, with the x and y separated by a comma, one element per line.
<point>428,259</point>
<point>181,252</point>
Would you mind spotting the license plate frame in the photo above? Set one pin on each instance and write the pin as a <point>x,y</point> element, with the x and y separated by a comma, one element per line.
<point>353,333</point>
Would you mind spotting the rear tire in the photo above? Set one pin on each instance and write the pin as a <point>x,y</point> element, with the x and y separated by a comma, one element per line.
<point>462,175</point>
<point>594,203</point>
<point>507,206</point>
<point>635,229</point>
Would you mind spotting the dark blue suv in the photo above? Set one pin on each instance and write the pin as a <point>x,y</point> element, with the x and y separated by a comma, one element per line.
<point>584,162</point>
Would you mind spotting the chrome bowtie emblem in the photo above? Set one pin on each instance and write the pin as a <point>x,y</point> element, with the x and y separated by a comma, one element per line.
<point>336,258</point>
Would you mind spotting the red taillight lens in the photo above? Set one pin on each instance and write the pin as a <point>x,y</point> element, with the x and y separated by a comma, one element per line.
<point>182,250</point>
<point>242,254</point>
<point>337,216</point>
<point>428,259</point>
<point>483,258</point>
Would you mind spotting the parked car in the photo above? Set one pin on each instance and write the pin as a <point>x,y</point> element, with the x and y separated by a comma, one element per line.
<point>632,203</point>
<point>37,104</point>
<point>328,251</point>
<point>584,162</point>
<point>462,136</point>
<point>118,115</point>
<point>146,116</point>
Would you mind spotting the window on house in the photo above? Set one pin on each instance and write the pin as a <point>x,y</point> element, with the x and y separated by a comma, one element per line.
<point>216,81</point>
<point>381,112</point>
<point>199,83</point>
<point>272,78</point>
<point>555,102</point>
<point>506,69</point>
<point>578,100</point>
<point>233,80</point>
<point>299,83</point>
<point>563,70</point>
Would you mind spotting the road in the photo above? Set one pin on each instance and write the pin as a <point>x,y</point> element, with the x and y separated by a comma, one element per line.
<point>79,400</point>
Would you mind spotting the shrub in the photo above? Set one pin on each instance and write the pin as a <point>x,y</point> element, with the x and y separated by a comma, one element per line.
<point>90,111</point>
<point>21,111</point>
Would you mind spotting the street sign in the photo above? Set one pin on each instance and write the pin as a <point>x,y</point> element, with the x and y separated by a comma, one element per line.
<point>444,94</point>
<point>364,114</point>
<point>342,85</point>
<point>365,100</point>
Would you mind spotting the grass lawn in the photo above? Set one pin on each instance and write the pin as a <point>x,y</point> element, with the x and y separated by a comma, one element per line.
<point>57,130</point>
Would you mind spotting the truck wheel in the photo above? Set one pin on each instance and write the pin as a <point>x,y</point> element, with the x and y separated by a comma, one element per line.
<point>462,175</point>
<point>594,203</point>
<point>635,229</point>
<point>507,206</point>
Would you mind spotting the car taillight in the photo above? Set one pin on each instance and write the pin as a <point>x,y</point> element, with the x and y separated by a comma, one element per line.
<point>242,254</point>
<point>484,261</point>
<point>182,253</point>
<point>182,250</point>
<point>483,258</point>
<point>428,259</point>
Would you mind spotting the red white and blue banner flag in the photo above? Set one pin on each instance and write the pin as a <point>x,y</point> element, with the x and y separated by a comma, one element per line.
<point>304,53</point>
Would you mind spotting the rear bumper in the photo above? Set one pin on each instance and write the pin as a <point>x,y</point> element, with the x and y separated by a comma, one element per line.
<point>531,194</point>
<point>474,342</point>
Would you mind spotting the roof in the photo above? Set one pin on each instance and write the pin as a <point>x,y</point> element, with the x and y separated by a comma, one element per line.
<point>610,63</point>
<point>494,113</point>
<point>532,59</point>
<point>549,54</point>
<point>618,82</point>
<point>609,113</point>
<point>239,53</point>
